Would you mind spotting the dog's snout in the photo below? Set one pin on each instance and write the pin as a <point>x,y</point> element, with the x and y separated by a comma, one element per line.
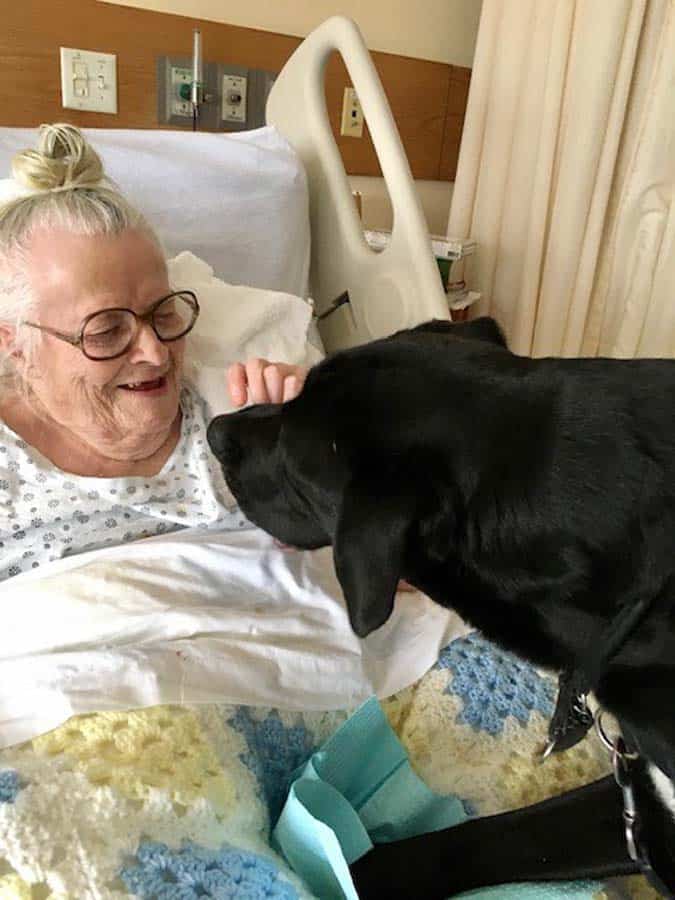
<point>255,428</point>
<point>219,436</point>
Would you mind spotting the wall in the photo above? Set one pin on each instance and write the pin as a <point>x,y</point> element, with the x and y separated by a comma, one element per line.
<point>440,30</point>
<point>434,196</point>
<point>428,98</point>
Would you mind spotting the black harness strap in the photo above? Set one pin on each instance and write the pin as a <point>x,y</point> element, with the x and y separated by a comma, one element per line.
<point>572,718</point>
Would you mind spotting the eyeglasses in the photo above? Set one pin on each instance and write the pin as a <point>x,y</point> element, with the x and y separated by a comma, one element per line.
<point>108,333</point>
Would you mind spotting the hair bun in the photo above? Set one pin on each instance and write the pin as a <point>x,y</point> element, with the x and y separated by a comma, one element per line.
<point>64,159</point>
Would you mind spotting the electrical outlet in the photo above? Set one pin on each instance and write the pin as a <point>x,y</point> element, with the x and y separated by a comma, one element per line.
<point>88,80</point>
<point>235,89</point>
<point>352,115</point>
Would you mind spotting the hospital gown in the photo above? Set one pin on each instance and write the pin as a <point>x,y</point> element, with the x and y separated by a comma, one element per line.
<point>46,513</point>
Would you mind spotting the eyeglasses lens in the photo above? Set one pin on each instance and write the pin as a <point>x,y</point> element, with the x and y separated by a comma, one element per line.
<point>109,333</point>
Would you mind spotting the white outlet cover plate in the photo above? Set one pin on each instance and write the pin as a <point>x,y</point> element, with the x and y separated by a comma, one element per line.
<point>351,124</point>
<point>88,80</point>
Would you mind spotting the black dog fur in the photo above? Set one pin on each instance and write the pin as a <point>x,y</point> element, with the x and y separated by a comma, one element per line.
<point>536,497</point>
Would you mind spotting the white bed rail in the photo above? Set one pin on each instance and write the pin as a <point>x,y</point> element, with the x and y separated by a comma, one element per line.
<point>398,287</point>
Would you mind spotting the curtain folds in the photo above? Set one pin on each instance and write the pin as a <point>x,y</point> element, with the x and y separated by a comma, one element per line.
<point>566,175</point>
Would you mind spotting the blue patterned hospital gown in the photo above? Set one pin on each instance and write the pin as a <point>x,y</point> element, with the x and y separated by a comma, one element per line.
<point>46,513</point>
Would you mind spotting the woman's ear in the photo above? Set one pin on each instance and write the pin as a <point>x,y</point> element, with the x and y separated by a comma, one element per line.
<point>7,340</point>
<point>369,548</point>
<point>8,346</point>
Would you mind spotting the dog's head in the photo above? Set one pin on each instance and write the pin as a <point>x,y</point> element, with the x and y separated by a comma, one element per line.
<point>355,460</point>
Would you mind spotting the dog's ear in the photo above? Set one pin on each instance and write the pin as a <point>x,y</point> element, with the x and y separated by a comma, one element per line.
<point>484,328</point>
<point>368,549</point>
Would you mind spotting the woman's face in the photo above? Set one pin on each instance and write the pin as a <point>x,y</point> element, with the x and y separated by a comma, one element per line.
<point>105,403</point>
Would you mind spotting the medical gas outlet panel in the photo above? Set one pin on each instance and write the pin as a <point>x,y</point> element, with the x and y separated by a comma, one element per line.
<point>232,98</point>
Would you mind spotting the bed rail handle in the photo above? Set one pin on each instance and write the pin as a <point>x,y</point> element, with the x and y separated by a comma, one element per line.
<point>400,286</point>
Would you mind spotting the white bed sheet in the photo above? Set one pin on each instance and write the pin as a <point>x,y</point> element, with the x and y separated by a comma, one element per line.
<point>198,617</point>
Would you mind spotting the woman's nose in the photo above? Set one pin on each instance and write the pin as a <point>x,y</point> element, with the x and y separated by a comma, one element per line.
<point>147,347</point>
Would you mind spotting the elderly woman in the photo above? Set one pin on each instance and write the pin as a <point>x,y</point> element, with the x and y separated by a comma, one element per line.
<point>101,439</point>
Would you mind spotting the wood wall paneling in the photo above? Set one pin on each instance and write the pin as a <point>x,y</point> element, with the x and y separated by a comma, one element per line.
<point>33,31</point>
<point>417,92</point>
<point>428,99</point>
<point>458,94</point>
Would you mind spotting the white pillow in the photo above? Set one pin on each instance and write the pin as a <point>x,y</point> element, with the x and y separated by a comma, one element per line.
<point>237,323</point>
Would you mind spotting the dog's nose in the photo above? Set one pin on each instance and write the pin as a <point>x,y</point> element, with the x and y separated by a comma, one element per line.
<point>254,428</point>
<point>217,436</point>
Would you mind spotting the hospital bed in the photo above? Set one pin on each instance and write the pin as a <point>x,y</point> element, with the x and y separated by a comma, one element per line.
<point>156,698</point>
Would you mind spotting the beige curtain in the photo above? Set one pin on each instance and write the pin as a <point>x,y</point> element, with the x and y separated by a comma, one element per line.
<point>566,175</point>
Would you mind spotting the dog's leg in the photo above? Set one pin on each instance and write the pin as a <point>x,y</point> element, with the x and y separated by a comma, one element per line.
<point>579,834</point>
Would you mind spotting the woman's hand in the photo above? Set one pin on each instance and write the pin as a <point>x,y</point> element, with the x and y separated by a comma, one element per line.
<point>405,588</point>
<point>261,381</point>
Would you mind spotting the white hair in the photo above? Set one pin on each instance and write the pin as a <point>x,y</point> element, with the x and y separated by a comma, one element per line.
<point>60,185</point>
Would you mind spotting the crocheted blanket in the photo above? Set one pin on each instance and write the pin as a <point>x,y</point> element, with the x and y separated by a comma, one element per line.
<point>177,802</point>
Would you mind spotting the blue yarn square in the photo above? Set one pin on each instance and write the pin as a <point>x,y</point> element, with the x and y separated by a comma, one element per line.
<point>197,873</point>
<point>275,751</point>
<point>494,684</point>
<point>9,785</point>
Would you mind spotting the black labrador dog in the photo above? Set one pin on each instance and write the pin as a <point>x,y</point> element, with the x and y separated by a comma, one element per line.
<point>535,497</point>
